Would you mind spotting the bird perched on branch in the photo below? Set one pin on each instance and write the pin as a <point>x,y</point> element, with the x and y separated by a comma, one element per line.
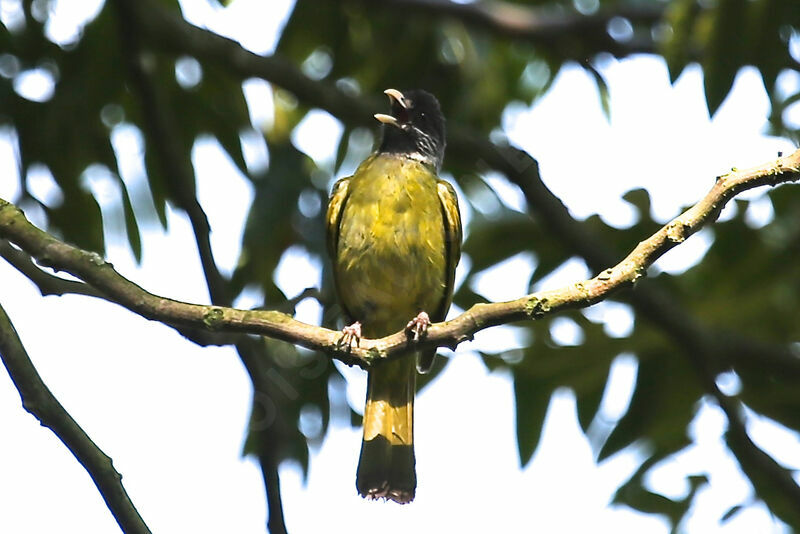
<point>394,235</point>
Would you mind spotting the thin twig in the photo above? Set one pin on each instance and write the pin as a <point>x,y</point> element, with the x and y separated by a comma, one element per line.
<point>47,283</point>
<point>40,402</point>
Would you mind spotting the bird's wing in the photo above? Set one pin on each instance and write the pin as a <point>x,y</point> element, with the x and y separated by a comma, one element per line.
<point>452,252</point>
<point>452,237</point>
<point>334,215</point>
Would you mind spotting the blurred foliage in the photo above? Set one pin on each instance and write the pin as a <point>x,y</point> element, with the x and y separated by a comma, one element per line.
<point>104,81</point>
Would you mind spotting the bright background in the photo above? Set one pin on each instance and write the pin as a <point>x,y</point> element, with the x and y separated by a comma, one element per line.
<point>173,415</point>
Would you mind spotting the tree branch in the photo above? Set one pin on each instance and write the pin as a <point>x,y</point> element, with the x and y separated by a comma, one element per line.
<point>51,285</point>
<point>40,402</point>
<point>47,283</point>
<point>166,32</point>
<point>539,25</point>
<point>94,270</point>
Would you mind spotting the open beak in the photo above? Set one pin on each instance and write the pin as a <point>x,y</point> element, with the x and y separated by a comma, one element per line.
<point>396,97</point>
<point>387,119</point>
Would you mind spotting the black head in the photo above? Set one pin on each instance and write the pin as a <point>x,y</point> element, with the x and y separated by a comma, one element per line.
<point>415,126</point>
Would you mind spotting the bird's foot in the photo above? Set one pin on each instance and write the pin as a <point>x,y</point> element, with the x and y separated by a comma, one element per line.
<point>351,335</point>
<point>418,326</point>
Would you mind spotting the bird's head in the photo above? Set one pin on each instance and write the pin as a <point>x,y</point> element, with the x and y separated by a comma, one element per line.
<point>415,126</point>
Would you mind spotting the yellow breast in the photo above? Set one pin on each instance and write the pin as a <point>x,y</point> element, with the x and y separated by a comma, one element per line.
<point>390,258</point>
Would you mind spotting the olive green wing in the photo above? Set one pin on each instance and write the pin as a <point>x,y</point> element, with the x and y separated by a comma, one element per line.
<point>452,239</point>
<point>333,221</point>
<point>333,217</point>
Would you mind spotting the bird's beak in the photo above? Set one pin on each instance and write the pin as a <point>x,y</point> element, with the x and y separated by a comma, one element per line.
<point>386,119</point>
<point>397,97</point>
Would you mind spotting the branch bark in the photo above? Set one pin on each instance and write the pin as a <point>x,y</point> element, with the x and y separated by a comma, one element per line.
<point>47,283</point>
<point>92,269</point>
<point>40,402</point>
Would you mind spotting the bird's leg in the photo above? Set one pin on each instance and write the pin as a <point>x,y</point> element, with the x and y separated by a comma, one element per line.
<point>418,326</point>
<point>351,334</point>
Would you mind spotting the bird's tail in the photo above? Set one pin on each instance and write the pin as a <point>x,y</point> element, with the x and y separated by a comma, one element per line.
<point>386,466</point>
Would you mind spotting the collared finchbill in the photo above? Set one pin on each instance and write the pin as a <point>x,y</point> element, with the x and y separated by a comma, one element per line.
<point>394,237</point>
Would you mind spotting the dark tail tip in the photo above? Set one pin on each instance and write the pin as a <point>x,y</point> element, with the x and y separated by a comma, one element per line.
<point>386,471</point>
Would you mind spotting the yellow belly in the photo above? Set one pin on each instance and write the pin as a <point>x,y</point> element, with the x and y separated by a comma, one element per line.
<point>390,260</point>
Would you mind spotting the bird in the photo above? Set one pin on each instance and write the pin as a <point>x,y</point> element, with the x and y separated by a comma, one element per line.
<point>393,232</point>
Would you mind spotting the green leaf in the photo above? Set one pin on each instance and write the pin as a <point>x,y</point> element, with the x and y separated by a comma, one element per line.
<point>532,398</point>
<point>157,186</point>
<point>662,404</point>
<point>131,226</point>
<point>680,15</point>
<point>588,402</point>
<point>487,242</point>
<point>274,222</point>
<point>341,149</point>
<point>640,199</point>
<point>653,503</point>
<point>727,516</point>
<point>602,89</point>
<point>464,298</point>
<point>724,50</point>
<point>766,49</point>
<point>758,466</point>
<point>80,221</point>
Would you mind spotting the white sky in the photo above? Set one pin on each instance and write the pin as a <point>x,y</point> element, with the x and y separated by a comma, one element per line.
<point>173,415</point>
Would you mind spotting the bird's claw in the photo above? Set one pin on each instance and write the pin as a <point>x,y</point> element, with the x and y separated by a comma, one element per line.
<point>351,335</point>
<point>418,326</point>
